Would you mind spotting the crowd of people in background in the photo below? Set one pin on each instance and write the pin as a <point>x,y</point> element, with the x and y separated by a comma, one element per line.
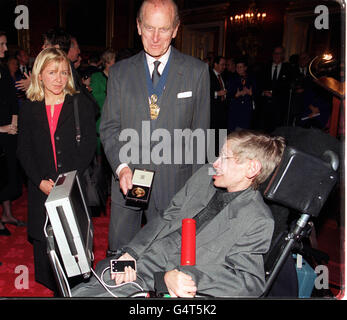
<point>244,96</point>
<point>279,93</point>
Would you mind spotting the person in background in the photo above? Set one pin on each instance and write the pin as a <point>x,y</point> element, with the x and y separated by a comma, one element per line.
<point>241,90</point>
<point>274,87</point>
<point>47,143</point>
<point>98,84</point>
<point>230,70</point>
<point>74,53</point>
<point>78,62</point>
<point>23,60</point>
<point>8,142</point>
<point>86,78</point>
<point>12,64</point>
<point>218,102</point>
<point>94,63</point>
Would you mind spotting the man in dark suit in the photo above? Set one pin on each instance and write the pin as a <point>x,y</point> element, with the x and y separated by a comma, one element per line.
<point>276,81</point>
<point>23,72</point>
<point>23,62</point>
<point>233,230</point>
<point>230,70</point>
<point>218,94</point>
<point>157,91</point>
<point>219,111</point>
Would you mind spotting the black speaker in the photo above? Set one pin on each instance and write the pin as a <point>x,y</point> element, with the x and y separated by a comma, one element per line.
<point>301,182</point>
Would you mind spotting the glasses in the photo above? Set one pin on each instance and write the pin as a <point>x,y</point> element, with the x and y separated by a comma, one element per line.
<point>224,157</point>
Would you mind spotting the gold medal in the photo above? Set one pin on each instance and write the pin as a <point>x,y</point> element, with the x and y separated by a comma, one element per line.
<point>153,107</point>
<point>138,192</point>
<point>154,99</point>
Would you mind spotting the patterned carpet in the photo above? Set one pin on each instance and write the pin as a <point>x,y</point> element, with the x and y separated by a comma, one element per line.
<point>16,255</point>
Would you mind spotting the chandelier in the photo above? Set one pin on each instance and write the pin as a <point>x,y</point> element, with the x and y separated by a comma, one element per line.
<point>251,16</point>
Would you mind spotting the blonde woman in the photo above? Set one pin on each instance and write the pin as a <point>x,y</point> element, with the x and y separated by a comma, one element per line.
<point>47,144</point>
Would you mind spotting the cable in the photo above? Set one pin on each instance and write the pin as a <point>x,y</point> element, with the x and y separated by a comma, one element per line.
<point>102,283</point>
<point>44,227</point>
<point>106,286</point>
<point>141,294</point>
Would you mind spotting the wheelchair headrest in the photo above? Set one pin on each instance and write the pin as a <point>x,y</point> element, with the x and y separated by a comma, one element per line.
<point>302,181</point>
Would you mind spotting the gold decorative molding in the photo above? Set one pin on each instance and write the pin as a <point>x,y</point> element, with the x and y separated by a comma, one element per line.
<point>110,17</point>
<point>62,14</point>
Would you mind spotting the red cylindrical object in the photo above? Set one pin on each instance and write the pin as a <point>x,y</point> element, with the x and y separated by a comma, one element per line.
<point>188,242</point>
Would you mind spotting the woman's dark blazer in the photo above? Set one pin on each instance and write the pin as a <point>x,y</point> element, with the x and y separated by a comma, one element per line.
<point>35,151</point>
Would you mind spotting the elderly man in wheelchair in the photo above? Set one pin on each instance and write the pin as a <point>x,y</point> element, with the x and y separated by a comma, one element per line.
<point>234,226</point>
<point>234,229</point>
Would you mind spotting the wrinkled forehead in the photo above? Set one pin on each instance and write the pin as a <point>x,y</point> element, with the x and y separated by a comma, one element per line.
<point>151,8</point>
<point>228,146</point>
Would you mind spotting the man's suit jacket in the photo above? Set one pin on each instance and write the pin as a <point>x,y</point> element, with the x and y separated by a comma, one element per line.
<point>184,104</point>
<point>274,110</point>
<point>218,106</point>
<point>229,250</point>
<point>20,74</point>
<point>281,86</point>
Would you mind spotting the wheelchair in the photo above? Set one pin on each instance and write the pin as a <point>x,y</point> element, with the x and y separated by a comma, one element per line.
<point>302,182</point>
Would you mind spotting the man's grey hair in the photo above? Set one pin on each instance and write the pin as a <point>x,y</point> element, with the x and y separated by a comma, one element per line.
<point>160,3</point>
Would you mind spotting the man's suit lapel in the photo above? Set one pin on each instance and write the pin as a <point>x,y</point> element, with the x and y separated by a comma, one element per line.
<point>219,225</point>
<point>174,79</point>
<point>193,205</point>
<point>171,87</point>
<point>223,221</point>
<point>140,84</point>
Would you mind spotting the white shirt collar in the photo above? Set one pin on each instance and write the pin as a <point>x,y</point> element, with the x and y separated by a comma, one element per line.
<point>216,73</point>
<point>163,59</point>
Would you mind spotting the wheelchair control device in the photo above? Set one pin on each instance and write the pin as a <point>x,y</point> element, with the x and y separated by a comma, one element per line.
<point>118,266</point>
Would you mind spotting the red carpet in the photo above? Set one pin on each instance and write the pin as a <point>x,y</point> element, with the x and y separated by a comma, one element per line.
<point>17,269</point>
<point>16,255</point>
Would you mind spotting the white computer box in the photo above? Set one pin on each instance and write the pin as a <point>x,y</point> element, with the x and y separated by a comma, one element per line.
<point>72,226</point>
